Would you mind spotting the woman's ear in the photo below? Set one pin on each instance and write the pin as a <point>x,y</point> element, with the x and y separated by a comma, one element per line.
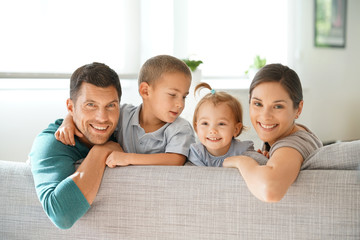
<point>299,110</point>
<point>144,89</point>
<point>238,128</point>
<point>70,106</point>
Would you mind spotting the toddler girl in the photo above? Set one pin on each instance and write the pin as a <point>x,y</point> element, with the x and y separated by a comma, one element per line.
<point>217,122</point>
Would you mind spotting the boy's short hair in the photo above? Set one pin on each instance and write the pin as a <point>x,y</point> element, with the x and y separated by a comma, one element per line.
<point>94,73</point>
<point>154,67</point>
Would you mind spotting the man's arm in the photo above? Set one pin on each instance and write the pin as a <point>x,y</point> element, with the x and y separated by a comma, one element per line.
<point>89,174</point>
<point>53,168</point>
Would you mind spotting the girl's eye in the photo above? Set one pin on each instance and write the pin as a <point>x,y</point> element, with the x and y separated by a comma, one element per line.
<point>222,124</point>
<point>204,123</point>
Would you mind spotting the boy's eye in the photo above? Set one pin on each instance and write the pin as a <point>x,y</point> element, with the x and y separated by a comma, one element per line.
<point>204,123</point>
<point>278,107</point>
<point>222,124</point>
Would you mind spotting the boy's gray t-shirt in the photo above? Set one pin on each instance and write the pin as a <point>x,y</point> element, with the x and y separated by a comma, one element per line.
<point>304,141</point>
<point>199,155</point>
<point>173,137</point>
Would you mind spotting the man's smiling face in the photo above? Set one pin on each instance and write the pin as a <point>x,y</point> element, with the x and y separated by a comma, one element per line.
<point>95,112</point>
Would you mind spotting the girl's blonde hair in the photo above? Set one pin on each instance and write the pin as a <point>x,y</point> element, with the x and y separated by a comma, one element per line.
<point>216,98</point>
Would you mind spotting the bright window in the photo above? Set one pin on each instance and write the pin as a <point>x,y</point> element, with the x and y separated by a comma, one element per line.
<point>58,36</point>
<point>228,34</point>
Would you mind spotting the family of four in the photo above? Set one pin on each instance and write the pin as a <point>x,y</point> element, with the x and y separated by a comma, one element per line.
<point>99,132</point>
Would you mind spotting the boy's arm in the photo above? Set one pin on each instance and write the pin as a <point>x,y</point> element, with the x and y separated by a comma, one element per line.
<point>125,159</point>
<point>65,133</point>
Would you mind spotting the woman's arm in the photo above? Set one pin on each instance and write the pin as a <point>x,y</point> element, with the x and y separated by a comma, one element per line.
<point>269,182</point>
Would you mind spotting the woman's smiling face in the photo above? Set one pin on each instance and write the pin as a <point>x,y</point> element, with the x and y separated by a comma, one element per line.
<point>272,112</point>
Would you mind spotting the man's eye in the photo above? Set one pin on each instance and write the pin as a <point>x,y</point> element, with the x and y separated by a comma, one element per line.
<point>90,104</point>
<point>278,107</point>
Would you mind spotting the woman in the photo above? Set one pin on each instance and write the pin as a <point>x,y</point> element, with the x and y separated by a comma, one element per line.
<point>275,102</point>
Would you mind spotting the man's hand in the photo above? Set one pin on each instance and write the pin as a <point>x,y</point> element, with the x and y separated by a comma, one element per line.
<point>111,147</point>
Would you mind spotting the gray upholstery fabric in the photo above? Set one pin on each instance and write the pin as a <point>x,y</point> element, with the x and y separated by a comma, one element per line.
<point>161,202</point>
<point>342,155</point>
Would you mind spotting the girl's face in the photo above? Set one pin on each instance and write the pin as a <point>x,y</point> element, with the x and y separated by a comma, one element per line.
<point>272,112</point>
<point>215,127</point>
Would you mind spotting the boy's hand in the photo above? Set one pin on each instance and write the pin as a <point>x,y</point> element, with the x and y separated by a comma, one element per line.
<point>66,131</point>
<point>117,159</point>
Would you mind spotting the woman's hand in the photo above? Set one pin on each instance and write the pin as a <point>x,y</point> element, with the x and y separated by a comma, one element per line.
<point>231,162</point>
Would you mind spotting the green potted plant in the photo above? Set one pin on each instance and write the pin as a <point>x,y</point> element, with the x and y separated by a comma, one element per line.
<point>258,63</point>
<point>192,64</point>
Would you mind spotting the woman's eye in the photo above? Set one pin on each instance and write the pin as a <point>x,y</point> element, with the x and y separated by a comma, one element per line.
<point>257,104</point>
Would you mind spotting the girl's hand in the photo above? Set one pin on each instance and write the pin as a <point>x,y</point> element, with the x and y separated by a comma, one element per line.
<point>265,153</point>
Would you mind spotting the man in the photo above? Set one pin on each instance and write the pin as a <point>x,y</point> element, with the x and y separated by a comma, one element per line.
<point>65,192</point>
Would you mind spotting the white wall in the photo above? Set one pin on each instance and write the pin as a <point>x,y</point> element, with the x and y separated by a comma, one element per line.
<point>329,75</point>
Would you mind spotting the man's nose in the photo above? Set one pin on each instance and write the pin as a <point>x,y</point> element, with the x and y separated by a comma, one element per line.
<point>101,114</point>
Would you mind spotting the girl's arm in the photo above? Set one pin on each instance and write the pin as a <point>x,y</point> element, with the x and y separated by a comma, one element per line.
<point>125,159</point>
<point>67,130</point>
<point>269,182</point>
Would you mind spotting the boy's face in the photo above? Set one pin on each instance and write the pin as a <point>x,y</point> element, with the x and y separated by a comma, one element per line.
<point>95,112</point>
<point>166,97</point>
<point>216,127</point>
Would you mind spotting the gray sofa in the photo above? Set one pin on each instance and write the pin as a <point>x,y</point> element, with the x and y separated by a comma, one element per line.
<point>189,202</point>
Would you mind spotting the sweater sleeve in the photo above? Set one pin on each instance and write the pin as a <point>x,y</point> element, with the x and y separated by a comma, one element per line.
<point>51,164</point>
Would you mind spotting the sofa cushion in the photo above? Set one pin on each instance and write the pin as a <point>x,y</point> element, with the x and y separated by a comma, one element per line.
<point>341,156</point>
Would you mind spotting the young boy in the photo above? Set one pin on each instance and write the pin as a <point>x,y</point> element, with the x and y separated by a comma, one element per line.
<point>152,133</point>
